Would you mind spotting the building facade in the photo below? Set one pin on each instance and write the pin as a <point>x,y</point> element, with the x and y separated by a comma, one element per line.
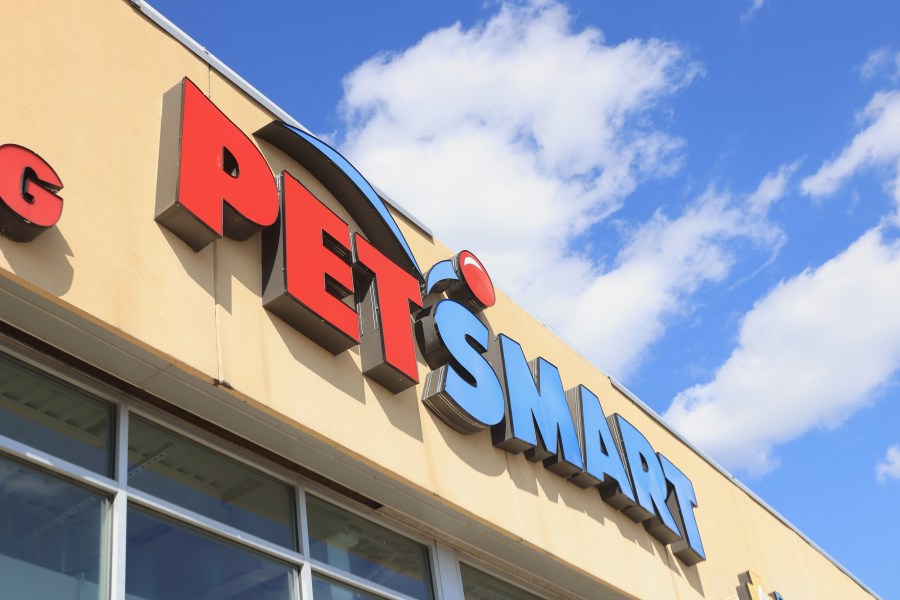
<point>230,369</point>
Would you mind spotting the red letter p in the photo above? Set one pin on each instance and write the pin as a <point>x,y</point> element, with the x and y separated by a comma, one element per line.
<point>224,183</point>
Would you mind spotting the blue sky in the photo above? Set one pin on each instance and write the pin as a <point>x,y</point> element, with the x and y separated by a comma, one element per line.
<point>706,199</point>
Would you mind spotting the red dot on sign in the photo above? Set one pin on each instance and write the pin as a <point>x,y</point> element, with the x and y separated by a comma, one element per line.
<point>476,277</point>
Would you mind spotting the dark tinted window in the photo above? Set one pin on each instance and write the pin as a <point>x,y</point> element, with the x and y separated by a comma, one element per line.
<point>46,413</point>
<point>481,586</point>
<point>191,475</point>
<point>50,535</point>
<point>167,561</point>
<point>360,547</point>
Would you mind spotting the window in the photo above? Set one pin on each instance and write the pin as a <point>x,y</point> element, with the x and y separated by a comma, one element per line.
<point>179,516</point>
<point>53,416</point>
<point>51,537</point>
<point>166,560</point>
<point>326,589</point>
<point>181,471</point>
<point>481,586</point>
<point>350,543</point>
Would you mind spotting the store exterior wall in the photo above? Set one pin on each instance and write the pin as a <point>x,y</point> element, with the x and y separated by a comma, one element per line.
<point>111,287</point>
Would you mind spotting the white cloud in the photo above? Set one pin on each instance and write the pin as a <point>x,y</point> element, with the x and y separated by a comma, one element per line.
<point>889,467</point>
<point>748,14</point>
<point>809,354</point>
<point>874,62</point>
<point>614,315</point>
<point>516,136</point>
<point>520,119</point>
<point>883,61</point>
<point>772,188</point>
<point>877,145</point>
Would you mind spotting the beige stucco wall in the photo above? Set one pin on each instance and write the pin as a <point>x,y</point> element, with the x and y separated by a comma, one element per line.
<point>84,88</point>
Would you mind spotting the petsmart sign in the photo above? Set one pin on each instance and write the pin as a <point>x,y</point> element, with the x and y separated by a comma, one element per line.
<point>343,289</point>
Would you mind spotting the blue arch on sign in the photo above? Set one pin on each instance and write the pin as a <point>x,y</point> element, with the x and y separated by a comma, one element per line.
<point>349,187</point>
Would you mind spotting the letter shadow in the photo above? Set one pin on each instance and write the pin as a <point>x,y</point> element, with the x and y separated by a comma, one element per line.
<point>475,450</point>
<point>341,371</point>
<point>43,261</point>
<point>401,409</point>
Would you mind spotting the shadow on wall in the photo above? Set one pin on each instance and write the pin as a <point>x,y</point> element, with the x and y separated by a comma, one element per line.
<point>45,263</point>
<point>340,371</point>
<point>195,264</point>
<point>474,450</point>
<point>401,409</point>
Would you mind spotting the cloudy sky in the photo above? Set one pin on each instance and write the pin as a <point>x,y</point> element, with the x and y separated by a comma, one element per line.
<point>703,199</point>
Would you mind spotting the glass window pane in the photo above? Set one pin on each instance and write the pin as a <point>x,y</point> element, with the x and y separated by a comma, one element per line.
<point>191,475</point>
<point>51,534</point>
<point>52,416</point>
<point>481,586</point>
<point>367,550</point>
<point>326,589</point>
<point>167,561</point>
